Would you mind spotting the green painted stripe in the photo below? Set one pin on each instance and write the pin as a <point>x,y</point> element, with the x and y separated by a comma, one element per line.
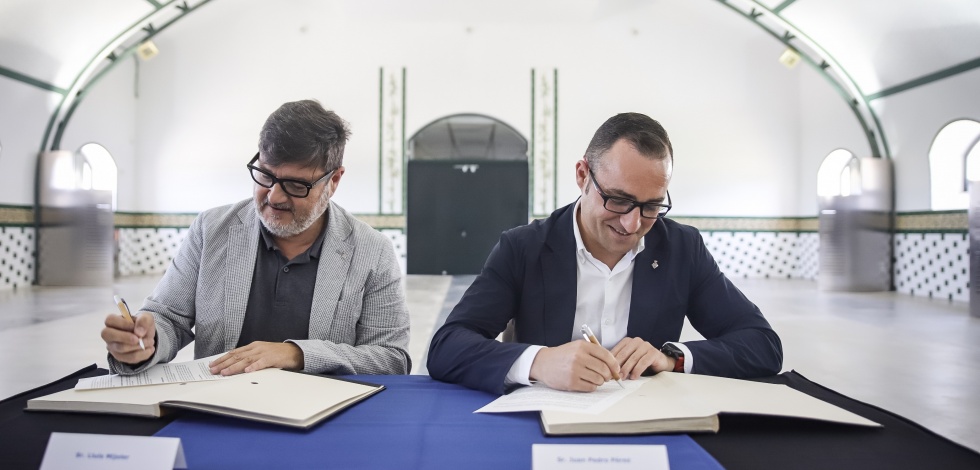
<point>155,4</point>
<point>402,159</point>
<point>31,80</point>
<point>554,165</point>
<point>932,77</point>
<point>381,137</point>
<point>531,159</point>
<point>783,5</point>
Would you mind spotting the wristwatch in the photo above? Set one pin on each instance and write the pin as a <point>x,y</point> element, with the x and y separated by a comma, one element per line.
<point>670,350</point>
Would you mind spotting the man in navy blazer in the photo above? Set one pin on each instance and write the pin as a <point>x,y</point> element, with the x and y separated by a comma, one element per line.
<point>611,261</point>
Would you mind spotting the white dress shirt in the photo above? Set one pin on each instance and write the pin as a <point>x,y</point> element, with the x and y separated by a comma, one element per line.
<point>602,301</point>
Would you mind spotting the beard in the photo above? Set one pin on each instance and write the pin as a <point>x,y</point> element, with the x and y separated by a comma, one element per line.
<point>300,221</point>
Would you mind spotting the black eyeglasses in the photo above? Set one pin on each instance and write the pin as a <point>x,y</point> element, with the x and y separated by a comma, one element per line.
<point>621,205</point>
<point>294,188</point>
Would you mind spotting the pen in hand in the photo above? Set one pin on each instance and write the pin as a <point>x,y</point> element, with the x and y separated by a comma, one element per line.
<point>590,337</point>
<point>124,310</point>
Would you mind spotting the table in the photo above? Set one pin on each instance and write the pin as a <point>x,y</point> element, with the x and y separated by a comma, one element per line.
<point>418,422</point>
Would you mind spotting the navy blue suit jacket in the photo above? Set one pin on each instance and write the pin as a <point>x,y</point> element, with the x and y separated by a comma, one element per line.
<point>530,276</point>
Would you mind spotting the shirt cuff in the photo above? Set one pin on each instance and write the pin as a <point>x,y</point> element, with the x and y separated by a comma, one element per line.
<point>520,371</point>
<point>688,358</point>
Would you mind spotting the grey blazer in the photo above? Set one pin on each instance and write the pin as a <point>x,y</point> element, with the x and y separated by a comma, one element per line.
<point>359,322</point>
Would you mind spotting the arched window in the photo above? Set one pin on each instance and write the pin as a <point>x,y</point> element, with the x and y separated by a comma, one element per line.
<point>839,174</point>
<point>950,164</point>
<point>96,169</point>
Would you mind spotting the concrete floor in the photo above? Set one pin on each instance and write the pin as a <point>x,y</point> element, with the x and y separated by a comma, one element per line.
<point>916,357</point>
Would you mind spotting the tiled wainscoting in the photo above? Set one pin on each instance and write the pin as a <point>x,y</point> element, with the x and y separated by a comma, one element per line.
<point>931,249</point>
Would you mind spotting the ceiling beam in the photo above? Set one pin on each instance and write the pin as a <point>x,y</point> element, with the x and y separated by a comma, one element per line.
<point>926,79</point>
<point>782,6</point>
<point>30,80</point>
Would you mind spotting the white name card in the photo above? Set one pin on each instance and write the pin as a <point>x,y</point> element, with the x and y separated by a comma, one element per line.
<point>104,451</point>
<point>598,456</point>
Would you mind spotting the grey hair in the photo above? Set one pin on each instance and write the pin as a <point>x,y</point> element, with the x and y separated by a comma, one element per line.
<point>304,133</point>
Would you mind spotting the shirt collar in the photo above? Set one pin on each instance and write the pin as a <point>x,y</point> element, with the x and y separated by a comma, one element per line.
<point>580,245</point>
<point>313,250</point>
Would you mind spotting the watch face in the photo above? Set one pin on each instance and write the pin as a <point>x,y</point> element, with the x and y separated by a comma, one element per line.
<point>670,350</point>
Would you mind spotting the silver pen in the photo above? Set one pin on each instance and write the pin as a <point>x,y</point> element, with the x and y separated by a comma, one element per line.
<point>590,337</point>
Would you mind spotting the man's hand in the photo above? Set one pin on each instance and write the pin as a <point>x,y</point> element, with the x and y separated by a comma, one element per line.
<point>122,337</point>
<point>635,356</point>
<point>578,366</point>
<point>257,356</point>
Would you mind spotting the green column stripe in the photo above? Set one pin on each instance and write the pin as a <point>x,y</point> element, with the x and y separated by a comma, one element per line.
<point>531,158</point>
<point>381,138</point>
<point>404,89</point>
<point>932,77</point>
<point>783,5</point>
<point>554,164</point>
<point>30,80</point>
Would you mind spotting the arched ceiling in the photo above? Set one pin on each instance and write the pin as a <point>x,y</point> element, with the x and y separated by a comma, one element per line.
<point>868,49</point>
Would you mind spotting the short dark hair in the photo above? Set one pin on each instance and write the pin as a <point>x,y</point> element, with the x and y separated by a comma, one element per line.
<point>645,134</point>
<point>305,133</point>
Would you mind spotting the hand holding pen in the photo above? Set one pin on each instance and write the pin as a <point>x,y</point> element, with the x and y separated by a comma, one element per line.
<point>129,339</point>
<point>590,337</point>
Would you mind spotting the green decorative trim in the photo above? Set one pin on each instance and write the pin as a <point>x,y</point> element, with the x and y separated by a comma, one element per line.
<point>148,220</point>
<point>750,224</point>
<point>31,81</point>
<point>554,165</point>
<point>381,136</point>
<point>945,221</point>
<point>155,4</point>
<point>530,159</point>
<point>383,221</point>
<point>783,6</point>
<point>948,221</point>
<point>404,171</point>
<point>926,79</point>
<point>16,216</point>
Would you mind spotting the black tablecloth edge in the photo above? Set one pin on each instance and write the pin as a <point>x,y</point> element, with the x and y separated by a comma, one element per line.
<point>79,372</point>
<point>882,410</point>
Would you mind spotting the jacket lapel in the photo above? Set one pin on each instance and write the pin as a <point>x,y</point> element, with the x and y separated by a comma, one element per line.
<point>648,274</point>
<point>243,241</point>
<point>334,263</point>
<point>560,274</point>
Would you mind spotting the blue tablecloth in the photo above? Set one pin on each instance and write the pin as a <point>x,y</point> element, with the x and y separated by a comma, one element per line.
<point>416,422</point>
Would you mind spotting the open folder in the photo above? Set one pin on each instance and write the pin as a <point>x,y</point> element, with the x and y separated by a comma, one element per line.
<point>270,395</point>
<point>673,402</point>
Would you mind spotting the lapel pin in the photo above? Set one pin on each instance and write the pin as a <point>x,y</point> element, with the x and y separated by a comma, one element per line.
<point>655,264</point>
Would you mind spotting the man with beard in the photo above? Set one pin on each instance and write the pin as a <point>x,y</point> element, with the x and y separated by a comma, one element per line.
<point>286,279</point>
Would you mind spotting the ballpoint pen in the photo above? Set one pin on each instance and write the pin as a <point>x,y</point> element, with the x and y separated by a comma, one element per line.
<point>590,337</point>
<point>124,310</point>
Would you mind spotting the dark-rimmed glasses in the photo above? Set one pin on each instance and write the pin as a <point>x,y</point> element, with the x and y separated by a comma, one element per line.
<point>294,188</point>
<point>621,205</point>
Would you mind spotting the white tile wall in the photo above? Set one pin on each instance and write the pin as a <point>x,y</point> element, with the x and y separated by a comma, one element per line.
<point>782,255</point>
<point>148,250</point>
<point>16,257</point>
<point>935,265</point>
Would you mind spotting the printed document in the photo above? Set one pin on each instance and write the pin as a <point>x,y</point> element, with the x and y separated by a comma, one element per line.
<point>180,372</point>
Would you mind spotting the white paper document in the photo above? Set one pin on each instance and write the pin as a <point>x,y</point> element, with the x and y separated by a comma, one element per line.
<point>102,451</point>
<point>598,457</point>
<point>538,397</point>
<point>192,371</point>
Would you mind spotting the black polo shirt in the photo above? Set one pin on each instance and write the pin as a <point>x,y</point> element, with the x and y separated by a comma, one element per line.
<point>281,296</point>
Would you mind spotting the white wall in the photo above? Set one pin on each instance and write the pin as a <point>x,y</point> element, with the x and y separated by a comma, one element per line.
<point>731,109</point>
<point>912,119</point>
<point>24,113</point>
<point>110,120</point>
<point>748,133</point>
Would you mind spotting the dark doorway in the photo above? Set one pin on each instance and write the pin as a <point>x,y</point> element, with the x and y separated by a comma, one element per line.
<point>467,183</point>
